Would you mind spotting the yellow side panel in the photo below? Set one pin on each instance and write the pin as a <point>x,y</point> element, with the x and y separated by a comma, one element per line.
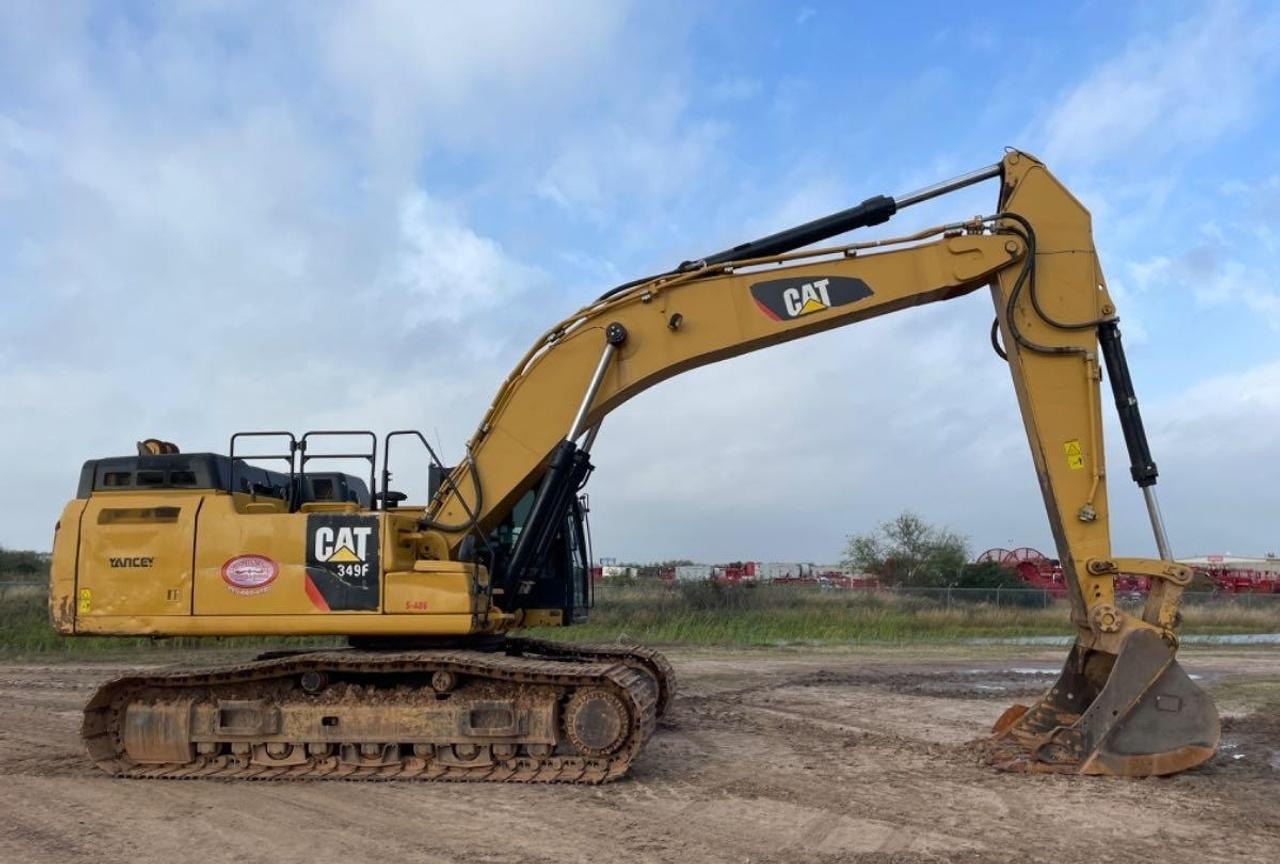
<point>62,570</point>
<point>209,564</point>
<point>135,553</point>
<point>236,554</point>
<point>432,588</point>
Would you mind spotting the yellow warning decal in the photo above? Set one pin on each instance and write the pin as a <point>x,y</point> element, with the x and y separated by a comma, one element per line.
<point>1075,455</point>
<point>86,601</point>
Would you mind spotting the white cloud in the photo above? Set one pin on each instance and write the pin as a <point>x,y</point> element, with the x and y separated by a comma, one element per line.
<point>1250,400</point>
<point>1169,91</point>
<point>449,271</point>
<point>643,161</point>
<point>1217,444</point>
<point>1208,274</point>
<point>1257,206</point>
<point>1234,282</point>
<point>469,75</point>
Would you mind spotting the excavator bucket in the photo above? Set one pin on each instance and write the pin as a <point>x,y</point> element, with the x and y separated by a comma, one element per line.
<point>1132,714</point>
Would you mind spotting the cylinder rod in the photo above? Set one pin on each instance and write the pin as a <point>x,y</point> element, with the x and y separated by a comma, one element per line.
<point>948,186</point>
<point>591,437</point>
<point>597,378</point>
<point>1157,523</point>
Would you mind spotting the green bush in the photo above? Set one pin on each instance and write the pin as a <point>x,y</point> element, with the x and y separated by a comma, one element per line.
<point>21,565</point>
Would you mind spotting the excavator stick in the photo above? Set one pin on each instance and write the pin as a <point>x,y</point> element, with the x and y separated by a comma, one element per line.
<point>1134,714</point>
<point>1122,705</point>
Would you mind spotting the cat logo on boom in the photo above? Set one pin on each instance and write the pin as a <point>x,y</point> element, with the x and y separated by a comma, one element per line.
<point>787,299</point>
<point>809,297</point>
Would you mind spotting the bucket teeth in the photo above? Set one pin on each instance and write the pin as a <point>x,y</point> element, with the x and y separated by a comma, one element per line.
<point>1134,714</point>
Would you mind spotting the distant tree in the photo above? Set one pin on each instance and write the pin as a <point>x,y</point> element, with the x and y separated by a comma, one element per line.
<point>24,564</point>
<point>909,551</point>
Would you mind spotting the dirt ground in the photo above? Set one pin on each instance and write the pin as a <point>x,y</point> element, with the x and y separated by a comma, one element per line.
<point>766,756</point>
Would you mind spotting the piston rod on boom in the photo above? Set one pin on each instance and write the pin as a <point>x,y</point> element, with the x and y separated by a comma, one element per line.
<point>873,211</point>
<point>566,471</point>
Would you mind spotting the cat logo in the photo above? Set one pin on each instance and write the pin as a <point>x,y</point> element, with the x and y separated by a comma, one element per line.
<point>785,299</point>
<point>342,562</point>
<point>342,545</point>
<point>809,297</point>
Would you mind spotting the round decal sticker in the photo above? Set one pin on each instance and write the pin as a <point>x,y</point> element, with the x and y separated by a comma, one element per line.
<point>249,574</point>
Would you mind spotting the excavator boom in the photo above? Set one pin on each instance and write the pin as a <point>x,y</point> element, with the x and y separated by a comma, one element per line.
<point>1059,329</point>
<point>502,544</point>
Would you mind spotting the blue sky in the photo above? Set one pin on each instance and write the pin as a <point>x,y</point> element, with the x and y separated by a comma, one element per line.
<point>220,216</point>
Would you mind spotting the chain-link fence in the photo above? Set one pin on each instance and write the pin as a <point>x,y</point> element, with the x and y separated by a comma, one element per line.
<point>1037,598</point>
<point>943,597</point>
<point>1020,598</point>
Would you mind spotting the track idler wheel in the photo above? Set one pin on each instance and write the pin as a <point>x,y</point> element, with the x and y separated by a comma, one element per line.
<point>596,722</point>
<point>1132,714</point>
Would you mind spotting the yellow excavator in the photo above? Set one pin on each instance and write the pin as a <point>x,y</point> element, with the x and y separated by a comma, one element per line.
<point>434,684</point>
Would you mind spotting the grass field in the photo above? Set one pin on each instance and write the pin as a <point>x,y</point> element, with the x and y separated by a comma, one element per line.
<point>709,615</point>
<point>25,629</point>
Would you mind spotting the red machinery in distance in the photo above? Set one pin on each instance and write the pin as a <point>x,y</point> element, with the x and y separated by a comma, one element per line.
<point>1038,570</point>
<point>738,571</point>
<point>1030,566</point>
<point>1240,575</point>
<point>1228,574</point>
